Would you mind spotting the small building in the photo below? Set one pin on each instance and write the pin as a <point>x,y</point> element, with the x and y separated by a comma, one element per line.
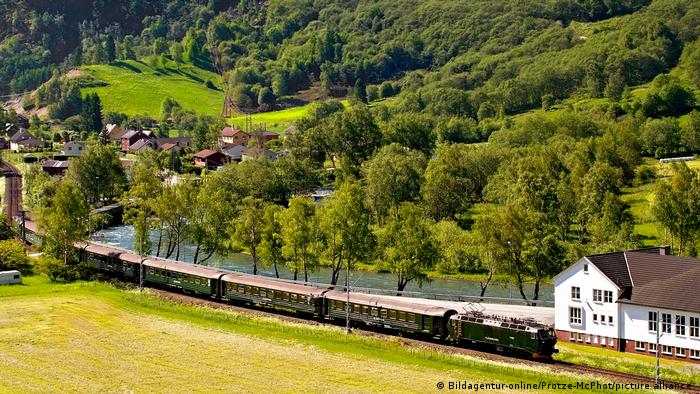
<point>269,136</point>
<point>4,143</point>
<point>209,159</point>
<point>255,152</point>
<point>112,133</point>
<point>10,278</point>
<point>54,167</point>
<point>142,144</point>
<point>234,152</point>
<point>23,141</point>
<point>73,148</point>
<point>234,136</point>
<point>624,300</point>
<point>131,137</point>
<point>179,142</point>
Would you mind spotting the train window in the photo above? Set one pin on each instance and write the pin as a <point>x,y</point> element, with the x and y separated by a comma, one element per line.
<point>196,281</point>
<point>263,293</point>
<point>402,316</point>
<point>150,272</point>
<point>356,308</point>
<point>392,314</point>
<point>293,297</point>
<point>383,313</point>
<point>248,290</point>
<point>411,317</point>
<point>375,312</point>
<point>241,289</point>
<point>256,290</point>
<point>271,293</point>
<point>365,310</point>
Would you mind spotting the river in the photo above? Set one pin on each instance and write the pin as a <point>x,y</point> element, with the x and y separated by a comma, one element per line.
<point>463,290</point>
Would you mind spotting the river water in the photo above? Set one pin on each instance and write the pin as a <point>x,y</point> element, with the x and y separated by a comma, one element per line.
<point>375,282</point>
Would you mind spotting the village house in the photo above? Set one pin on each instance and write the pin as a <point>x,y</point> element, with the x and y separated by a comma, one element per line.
<point>234,136</point>
<point>628,301</point>
<point>209,159</point>
<point>23,141</point>
<point>54,167</point>
<point>112,133</point>
<point>234,152</point>
<point>254,152</point>
<point>131,137</point>
<point>72,148</point>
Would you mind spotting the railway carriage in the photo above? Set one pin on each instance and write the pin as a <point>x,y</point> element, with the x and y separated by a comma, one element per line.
<point>185,277</point>
<point>272,293</point>
<point>111,261</point>
<point>383,312</point>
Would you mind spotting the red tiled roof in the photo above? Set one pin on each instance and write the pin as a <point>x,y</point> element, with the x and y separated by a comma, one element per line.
<point>231,131</point>
<point>203,154</point>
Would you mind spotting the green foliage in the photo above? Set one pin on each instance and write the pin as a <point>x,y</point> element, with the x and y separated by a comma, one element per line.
<point>407,245</point>
<point>91,114</point>
<point>98,172</point>
<point>301,236</point>
<point>13,256</point>
<point>676,206</point>
<point>413,131</point>
<point>248,227</point>
<point>5,229</point>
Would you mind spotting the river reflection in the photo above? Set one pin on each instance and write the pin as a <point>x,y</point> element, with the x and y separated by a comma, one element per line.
<point>123,236</point>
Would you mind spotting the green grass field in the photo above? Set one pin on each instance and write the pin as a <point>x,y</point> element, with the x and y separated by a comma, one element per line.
<point>91,337</point>
<point>134,88</point>
<point>638,364</point>
<point>277,121</point>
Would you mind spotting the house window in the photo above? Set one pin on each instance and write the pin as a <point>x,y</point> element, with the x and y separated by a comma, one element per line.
<point>665,349</point>
<point>597,295</point>
<point>595,339</point>
<point>608,296</point>
<point>603,341</point>
<point>695,327</point>
<point>588,339</point>
<point>580,337</point>
<point>652,348</point>
<point>694,354</point>
<point>680,352</point>
<point>639,345</point>
<point>611,341</point>
<point>610,318</point>
<point>572,337</point>
<point>680,325</point>
<point>602,319</point>
<point>653,317</point>
<point>595,318</point>
<point>666,323</point>
<point>574,315</point>
<point>585,268</point>
<point>575,293</point>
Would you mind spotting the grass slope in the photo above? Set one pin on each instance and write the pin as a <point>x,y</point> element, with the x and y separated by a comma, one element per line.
<point>92,337</point>
<point>277,121</point>
<point>134,88</point>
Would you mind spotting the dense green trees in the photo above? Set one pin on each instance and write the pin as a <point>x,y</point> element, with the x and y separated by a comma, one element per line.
<point>676,207</point>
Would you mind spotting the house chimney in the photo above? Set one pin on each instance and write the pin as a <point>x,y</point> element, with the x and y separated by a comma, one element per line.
<point>665,250</point>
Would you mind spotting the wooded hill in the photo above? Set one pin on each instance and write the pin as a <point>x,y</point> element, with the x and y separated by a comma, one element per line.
<point>509,55</point>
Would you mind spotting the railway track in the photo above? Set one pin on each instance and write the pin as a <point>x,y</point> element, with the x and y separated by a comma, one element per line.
<point>586,373</point>
<point>13,190</point>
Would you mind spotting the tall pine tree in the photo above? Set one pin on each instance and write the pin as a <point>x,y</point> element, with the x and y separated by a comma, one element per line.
<point>91,114</point>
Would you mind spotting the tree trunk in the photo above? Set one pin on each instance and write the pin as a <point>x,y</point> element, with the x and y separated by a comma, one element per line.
<point>295,274</point>
<point>277,274</point>
<point>485,285</point>
<point>255,260</point>
<point>402,282</point>
<point>536,295</point>
<point>160,239</point>
<point>211,253</point>
<point>196,254</point>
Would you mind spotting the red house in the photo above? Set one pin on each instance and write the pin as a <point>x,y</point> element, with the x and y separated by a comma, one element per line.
<point>209,159</point>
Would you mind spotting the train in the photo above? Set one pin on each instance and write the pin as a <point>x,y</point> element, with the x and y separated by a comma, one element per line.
<point>406,317</point>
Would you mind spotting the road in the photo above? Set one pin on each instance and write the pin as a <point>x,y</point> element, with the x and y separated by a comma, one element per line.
<point>13,190</point>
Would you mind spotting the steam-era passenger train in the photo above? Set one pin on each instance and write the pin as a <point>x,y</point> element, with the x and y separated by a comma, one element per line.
<point>402,316</point>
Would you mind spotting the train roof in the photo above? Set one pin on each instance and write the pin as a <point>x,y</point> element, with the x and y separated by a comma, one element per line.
<point>273,284</point>
<point>106,250</point>
<point>406,305</point>
<point>184,268</point>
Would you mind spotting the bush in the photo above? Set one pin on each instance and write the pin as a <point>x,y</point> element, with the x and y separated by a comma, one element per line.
<point>645,174</point>
<point>57,270</point>
<point>13,256</point>
<point>209,84</point>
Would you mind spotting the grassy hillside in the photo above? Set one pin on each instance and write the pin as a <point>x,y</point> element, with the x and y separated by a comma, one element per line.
<point>277,121</point>
<point>134,88</point>
<point>92,337</point>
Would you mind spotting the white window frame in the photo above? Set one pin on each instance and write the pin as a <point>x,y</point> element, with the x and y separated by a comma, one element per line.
<point>572,336</point>
<point>575,293</point>
<point>652,348</point>
<point>575,320</point>
<point>653,323</point>
<point>680,352</point>
<point>597,295</point>
<point>610,319</point>
<point>611,341</point>
<point>694,354</point>
<point>585,268</point>
<point>666,321</point>
<point>667,350</point>
<point>608,296</point>
<point>595,318</point>
<point>694,327</point>
<point>639,345</point>
<point>680,325</point>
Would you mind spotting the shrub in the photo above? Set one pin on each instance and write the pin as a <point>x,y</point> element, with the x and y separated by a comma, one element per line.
<point>13,256</point>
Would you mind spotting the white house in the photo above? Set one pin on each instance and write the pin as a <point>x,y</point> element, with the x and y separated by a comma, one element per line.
<point>73,148</point>
<point>623,300</point>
